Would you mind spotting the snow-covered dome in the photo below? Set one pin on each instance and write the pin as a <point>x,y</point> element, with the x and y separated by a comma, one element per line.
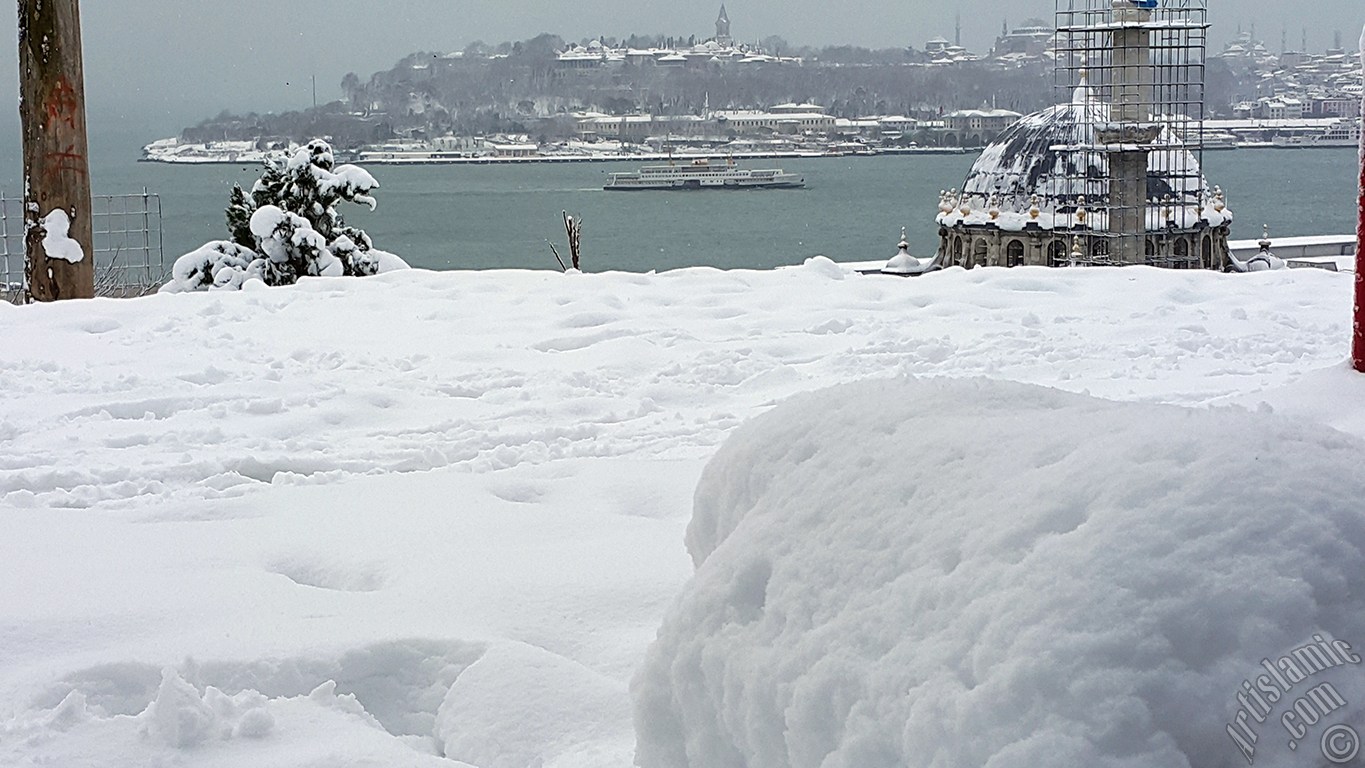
<point>1044,186</point>
<point>1263,261</point>
<point>905,264</point>
<point>1056,155</point>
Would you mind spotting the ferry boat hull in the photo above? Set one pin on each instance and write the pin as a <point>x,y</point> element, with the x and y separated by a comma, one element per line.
<point>683,185</point>
<point>1345,133</point>
<point>701,175</point>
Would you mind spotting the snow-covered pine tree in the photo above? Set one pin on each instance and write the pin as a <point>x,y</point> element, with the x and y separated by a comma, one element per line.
<point>309,184</point>
<point>290,225</point>
<point>239,210</point>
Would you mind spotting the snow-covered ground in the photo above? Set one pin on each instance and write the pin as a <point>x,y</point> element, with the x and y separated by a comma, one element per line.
<point>430,517</point>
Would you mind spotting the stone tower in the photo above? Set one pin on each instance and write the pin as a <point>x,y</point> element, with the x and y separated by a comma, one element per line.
<point>1128,138</point>
<point>723,27</point>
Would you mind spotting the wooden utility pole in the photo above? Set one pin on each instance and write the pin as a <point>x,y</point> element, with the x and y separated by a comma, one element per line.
<point>56,164</point>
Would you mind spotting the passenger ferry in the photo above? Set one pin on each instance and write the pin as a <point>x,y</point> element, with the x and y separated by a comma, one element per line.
<point>1343,133</point>
<point>701,174</point>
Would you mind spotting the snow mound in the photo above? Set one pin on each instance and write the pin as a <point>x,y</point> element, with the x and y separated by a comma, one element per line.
<point>974,573</point>
<point>189,724</point>
<point>825,266</point>
<point>519,704</point>
<point>182,717</point>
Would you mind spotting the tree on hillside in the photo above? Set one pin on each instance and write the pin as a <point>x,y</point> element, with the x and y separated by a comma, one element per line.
<point>350,85</point>
<point>542,46</point>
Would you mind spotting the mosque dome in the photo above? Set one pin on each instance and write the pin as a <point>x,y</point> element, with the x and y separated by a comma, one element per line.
<point>1056,160</point>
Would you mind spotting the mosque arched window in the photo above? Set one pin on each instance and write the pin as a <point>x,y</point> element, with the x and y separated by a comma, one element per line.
<point>1182,253</point>
<point>1014,254</point>
<point>980,254</point>
<point>1057,253</point>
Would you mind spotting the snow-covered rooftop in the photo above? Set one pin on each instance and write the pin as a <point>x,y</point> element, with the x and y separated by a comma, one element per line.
<point>990,113</point>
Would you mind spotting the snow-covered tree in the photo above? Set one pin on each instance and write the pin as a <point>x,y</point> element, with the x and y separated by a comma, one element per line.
<point>239,210</point>
<point>289,227</point>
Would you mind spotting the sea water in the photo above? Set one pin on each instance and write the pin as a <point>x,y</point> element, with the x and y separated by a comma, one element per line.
<point>853,208</point>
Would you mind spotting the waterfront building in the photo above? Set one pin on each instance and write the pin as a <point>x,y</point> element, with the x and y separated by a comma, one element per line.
<point>1283,108</point>
<point>592,126</point>
<point>975,127</point>
<point>1336,106</point>
<point>745,122</point>
<point>797,109</point>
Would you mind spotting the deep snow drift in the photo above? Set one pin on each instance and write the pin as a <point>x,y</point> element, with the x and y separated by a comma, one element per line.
<point>977,573</point>
<point>428,514</point>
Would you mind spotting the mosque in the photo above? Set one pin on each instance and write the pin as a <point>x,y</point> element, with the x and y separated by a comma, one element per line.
<point>1045,194</point>
<point>1107,176</point>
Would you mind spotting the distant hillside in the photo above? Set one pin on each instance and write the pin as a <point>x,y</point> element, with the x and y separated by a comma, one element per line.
<point>526,87</point>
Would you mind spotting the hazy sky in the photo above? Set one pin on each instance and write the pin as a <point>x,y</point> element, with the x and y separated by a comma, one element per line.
<point>165,63</point>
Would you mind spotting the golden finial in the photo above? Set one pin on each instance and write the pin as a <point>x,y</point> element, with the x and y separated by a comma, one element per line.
<point>945,205</point>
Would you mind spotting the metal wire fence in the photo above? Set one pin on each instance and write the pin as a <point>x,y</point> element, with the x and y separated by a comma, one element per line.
<point>1136,74</point>
<point>129,252</point>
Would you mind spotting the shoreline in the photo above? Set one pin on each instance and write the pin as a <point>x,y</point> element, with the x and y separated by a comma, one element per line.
<point>440,158</point>
<point>436,157</point>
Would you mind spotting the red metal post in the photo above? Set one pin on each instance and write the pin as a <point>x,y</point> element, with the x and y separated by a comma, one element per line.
<point>1358,347</point>
<point>1358,340</point>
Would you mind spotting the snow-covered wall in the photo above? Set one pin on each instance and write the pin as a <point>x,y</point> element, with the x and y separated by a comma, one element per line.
<point>972,573</point>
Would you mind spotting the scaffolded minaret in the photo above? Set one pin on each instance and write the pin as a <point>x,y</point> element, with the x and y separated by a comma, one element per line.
<point>1145,59</point>
<point>1128,138</point>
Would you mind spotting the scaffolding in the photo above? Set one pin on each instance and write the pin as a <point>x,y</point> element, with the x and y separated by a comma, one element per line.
<point>1135,70</point>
